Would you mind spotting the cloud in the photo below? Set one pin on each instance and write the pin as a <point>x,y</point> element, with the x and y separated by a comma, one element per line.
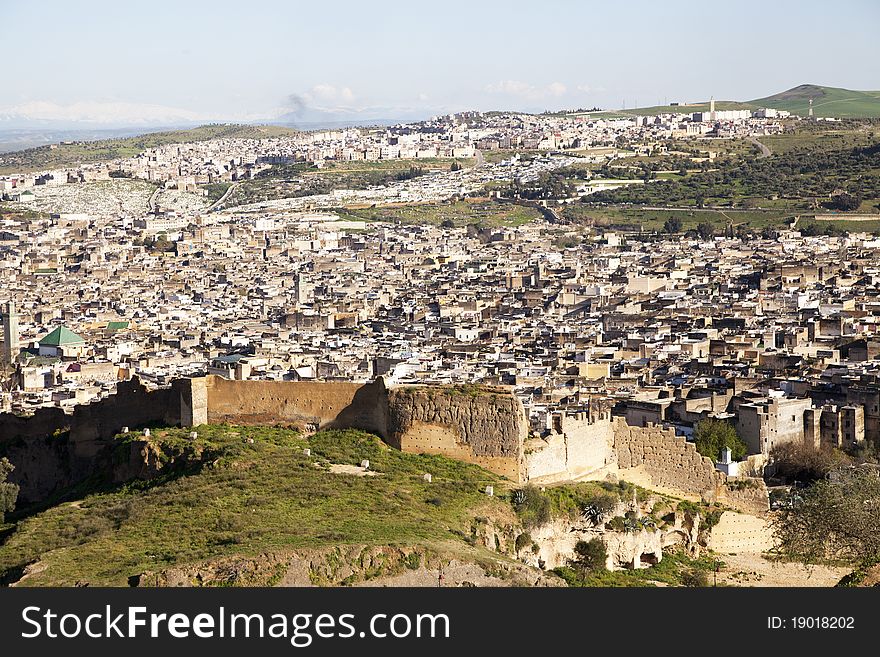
<point>321,95</point>
<point>525,90</point>
<point>587,89</point>
<point>100,113</point>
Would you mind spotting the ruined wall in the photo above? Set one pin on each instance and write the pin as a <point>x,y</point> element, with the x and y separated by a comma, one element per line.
<point>672,463</point>
<point>303,404</point>
<point>481,426</point>
<point>669,460</point>
<point>584,446</point>
<point>52,450</point>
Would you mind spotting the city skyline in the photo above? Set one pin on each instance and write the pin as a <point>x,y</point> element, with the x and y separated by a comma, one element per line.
<point>293,63</point>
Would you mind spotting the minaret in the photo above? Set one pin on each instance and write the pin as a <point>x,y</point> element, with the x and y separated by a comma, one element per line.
<point>11,346</point>
<point>811,108</point>
<point>712,108</point>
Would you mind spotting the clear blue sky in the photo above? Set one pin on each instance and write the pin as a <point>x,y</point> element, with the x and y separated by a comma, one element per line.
<point>252,59</point>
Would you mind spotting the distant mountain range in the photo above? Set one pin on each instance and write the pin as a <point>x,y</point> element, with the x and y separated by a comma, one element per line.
<point>832,102</point>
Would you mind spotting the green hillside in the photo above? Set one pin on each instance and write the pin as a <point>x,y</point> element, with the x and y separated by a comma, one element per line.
<point>688,108</point>
<point>83,152</point>
<point>243,492</point>
<point>827,102</point>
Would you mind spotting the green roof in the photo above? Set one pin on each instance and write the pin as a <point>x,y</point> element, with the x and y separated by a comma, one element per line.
<point>116,326</point>
<point>60,337</point>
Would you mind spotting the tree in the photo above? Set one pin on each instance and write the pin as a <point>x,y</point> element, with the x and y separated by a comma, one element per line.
<point>455,166</point>
<point>846,202</point>
<point>8,492</point>
<point>672,225</point>
<point>705,230</point>
<point>447,223</point>
<point>590,556</point>
<point>712,435</point>
<point>803,462</point>
<point>834,518</point>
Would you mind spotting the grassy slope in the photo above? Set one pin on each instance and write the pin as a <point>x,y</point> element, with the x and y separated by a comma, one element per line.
<point>248,499</point>
<point>689,108</point>
<point>827,101</point>
<point>461,213</point>
<point>44,157</point>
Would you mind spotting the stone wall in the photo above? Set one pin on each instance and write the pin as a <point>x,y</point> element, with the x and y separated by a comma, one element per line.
<point>304,404</point>
<point>669,460</point>
<point>52,450</point>
<point>584,446</point>
<point>738,533</point>
<point>480,425</point>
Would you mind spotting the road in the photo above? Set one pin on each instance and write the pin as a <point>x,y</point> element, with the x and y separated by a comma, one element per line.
<point>480,159</point>
<point>765,152</point>
<point>151,204</point>
<point>225,196</point>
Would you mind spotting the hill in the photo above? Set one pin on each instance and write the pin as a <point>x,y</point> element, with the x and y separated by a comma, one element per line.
<point>827,102</point>
<point>687,108</point>
<point>83,152</point>
<point>245,492</point>
<point>265,506</point>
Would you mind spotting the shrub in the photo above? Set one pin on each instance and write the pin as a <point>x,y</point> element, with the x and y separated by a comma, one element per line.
<point>8,492</point>
<point>694,577</point>
<point>532,506</point>
<point>802,462</point>
<point>590,555</point>
<point>523,541</point>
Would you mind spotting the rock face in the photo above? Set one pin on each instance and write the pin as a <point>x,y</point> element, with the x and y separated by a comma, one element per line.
<point>554,542</point>
<point>480,425</point>
<point>349,565</point>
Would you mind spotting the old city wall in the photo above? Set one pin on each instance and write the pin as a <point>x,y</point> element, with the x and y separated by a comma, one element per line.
<point>741,533</point>
<point>585,446</point>
<point>330,405</point>
<point>52,450</point>
<point>486,427</point>
<point>669,460</point>
<point>650,456</point>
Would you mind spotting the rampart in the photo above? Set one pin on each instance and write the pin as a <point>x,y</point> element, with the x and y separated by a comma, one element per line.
<point>482,425</point>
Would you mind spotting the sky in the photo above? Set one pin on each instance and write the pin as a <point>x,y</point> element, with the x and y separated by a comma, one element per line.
<point>188,61</point>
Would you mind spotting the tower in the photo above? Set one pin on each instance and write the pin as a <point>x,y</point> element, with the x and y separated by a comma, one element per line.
<point>712,108</point>
<point>10,333</point>
<point>811,108</point>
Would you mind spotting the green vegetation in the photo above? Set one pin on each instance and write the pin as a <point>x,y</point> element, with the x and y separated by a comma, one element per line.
<point>636,219</point>
<point>590,556</point>
<point>221,494</point>
<point>456,213</point>
<point>82,152</point>
<point>8,492</point>
<point>712,435</point>
<point>304,179</point>
<point>675,569</point>
<point>689,108</point>
<point>215,191</point>
<point>803,180</point>
<point>833,519</point>
<point>827,101</point>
